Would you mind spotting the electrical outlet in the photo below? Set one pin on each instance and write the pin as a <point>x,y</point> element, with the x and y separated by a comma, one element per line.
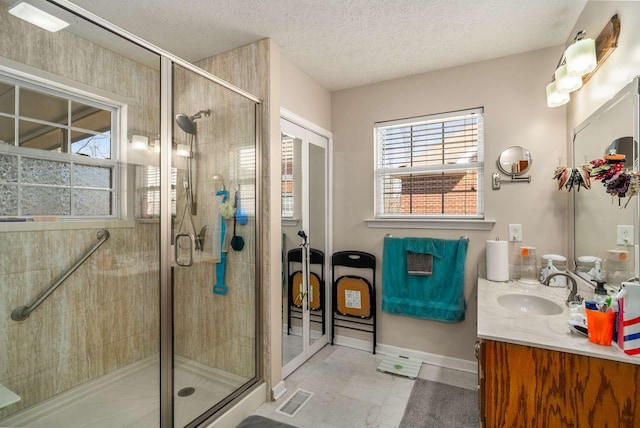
<point>625,235</point>
<point>515,233</point>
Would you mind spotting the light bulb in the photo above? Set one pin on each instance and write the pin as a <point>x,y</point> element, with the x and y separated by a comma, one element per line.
<point>139,142</point>
<point>581,57</point>
<point>183,150</point>
<point>566,82</point>
<point>556,98</point>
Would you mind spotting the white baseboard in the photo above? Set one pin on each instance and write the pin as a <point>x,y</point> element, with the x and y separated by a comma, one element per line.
<point>352,342</point>
<point>426,357</point>
<point>278,390</point>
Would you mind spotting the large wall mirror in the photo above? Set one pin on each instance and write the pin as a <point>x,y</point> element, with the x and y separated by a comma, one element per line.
<point>606,226</point>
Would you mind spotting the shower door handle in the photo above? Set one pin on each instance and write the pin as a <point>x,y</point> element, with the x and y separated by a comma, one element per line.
<point>186,242</point>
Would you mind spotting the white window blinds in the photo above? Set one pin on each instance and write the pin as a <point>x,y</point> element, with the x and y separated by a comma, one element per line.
<point>287,178</point>
<point>430,166</point>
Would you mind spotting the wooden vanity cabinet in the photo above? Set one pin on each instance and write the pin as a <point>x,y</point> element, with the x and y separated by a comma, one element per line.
<point>523,386</point>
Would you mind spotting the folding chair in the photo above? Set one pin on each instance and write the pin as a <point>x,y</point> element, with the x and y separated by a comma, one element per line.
<point>316,287</point>
<point>354,296</point>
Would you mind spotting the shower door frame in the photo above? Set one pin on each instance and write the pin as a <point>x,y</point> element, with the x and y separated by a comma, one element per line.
<point>166,293</point>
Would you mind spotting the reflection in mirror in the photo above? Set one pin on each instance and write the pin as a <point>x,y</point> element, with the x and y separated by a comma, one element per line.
<point>605,232</point>
<point>291,182</point>
<point>515,160</point>
<point>624,146</point>
<point>303,192</point>
<point>317,211</point>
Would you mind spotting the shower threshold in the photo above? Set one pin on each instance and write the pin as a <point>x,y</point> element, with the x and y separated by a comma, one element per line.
<point>129,397</point>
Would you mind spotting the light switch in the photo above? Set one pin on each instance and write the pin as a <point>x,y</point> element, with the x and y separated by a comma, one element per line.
<point>515,233</point>
<point>625,235</point>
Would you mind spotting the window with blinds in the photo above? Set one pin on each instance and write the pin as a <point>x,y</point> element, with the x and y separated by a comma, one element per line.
<point>430,166</point>
<point>148,192</point>
<point>287,177</point>
<point>243,161</point>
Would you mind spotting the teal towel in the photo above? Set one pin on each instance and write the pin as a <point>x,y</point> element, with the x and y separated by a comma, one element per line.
<point>435,247</point>
<point>439,296</point>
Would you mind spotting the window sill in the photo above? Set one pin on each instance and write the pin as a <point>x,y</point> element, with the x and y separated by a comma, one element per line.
<point>34,226</point>
<point>290,222</point>
<point>423,223</point>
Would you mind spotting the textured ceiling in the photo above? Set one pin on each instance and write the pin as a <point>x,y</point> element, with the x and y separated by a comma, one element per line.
<point>347,43</point>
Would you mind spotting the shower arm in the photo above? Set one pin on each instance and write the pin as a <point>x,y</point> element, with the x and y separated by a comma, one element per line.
<point>21,313</point>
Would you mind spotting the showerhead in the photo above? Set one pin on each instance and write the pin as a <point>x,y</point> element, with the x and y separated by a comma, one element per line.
<point>187,123</point>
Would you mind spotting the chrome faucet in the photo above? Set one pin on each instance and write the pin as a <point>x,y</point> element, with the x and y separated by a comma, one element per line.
<point>573,295</point>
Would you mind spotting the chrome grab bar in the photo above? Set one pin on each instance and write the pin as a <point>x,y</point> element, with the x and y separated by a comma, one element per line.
<point>21,313</point>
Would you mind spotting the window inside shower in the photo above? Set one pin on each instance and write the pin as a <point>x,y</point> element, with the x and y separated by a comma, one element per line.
<point>60,154</point>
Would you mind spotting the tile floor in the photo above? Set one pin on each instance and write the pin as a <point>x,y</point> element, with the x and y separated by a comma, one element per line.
<point>350,392</point>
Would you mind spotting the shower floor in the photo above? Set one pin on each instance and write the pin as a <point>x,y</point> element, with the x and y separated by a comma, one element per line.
<point>129,397</point>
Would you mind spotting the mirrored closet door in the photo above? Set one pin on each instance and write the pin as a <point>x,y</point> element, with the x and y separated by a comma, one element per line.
<point>305,256</point>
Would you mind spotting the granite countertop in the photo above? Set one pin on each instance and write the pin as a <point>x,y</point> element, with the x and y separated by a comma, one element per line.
<point>496,322</point>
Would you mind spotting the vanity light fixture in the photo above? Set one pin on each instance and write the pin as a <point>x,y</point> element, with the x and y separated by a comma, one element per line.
<point>38,17</point>
<point>580,61</point>
<point>139,142</point>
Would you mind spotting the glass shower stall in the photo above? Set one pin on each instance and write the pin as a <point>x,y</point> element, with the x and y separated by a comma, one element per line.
<point>129,225</point>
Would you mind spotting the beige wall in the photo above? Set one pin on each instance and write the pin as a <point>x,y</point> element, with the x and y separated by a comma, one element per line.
<point>512,91</point>
<point>302,95</point>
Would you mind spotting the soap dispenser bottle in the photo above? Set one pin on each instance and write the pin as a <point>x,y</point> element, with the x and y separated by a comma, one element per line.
<point>599,294</point>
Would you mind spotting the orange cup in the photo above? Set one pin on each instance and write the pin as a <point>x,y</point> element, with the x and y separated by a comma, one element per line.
<point>600,326</point>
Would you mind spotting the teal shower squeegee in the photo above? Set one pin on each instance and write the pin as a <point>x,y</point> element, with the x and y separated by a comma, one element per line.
<point>219,287</point>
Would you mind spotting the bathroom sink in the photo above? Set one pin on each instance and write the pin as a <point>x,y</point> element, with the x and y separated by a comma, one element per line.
<point>529,304</point>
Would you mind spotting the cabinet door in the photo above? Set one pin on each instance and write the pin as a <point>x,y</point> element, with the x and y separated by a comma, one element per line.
<point>480,352</point>
<point>533,387</point>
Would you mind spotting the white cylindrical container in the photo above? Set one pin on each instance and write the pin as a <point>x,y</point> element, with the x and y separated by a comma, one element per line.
<point>587,263</point>
<point>497,261</point>
<point>553,263</point>
<point>616,267</point>
<point>528,265</point>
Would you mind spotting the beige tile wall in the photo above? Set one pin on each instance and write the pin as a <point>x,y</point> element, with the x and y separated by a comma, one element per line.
<point>249,68</point>
<point>102,317</point>
<point>105,315</point>
<point>213,329</point>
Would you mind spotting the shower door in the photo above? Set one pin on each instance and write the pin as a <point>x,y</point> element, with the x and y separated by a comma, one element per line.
<point>306,286</point>
<point>214,246</point>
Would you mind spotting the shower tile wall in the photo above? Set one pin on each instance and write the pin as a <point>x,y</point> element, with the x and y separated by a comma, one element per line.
<point>102,318</point>
<point>247,67</point>
<point>105,315</point>
<point>216,330</point>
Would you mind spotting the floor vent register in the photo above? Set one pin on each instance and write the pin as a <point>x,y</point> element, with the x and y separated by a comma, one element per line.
<point>295,402</point>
